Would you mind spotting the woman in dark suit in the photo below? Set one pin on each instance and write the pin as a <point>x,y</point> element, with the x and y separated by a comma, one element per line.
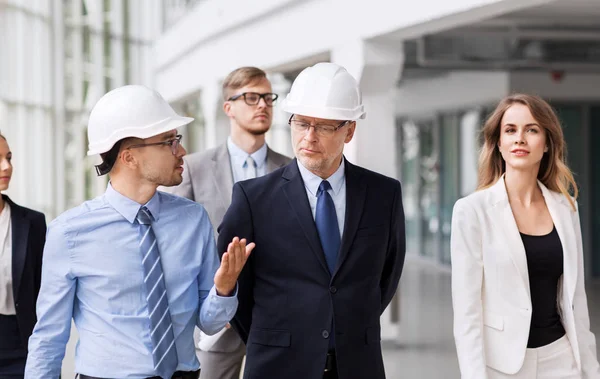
<point>22,237</point>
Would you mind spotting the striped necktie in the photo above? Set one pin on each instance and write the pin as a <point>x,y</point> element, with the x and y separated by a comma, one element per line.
<point>164,353</point>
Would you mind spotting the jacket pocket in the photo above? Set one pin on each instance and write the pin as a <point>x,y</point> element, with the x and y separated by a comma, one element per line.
<point>493,320</point>
<point>371,231</point>
<point>270,337</point>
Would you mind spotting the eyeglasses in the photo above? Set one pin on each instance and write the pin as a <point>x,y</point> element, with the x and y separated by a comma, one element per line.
<point>253,98</point>
<point>323,130</point>
<point>173,143</point>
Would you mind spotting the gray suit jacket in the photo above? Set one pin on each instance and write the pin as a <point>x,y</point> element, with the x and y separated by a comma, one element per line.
<point>208,180</point>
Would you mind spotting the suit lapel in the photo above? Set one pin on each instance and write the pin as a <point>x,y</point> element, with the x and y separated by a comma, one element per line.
<point>296,194</point>
<point>356,190</point>
<point>20,231</point>
<point>223,177</point>
<point>512,236</point>
<point>272,163</point>
<point>560,212</point>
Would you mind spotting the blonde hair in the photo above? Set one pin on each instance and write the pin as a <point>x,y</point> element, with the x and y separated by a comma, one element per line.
<point>554,172</point>
<point>241,77</point>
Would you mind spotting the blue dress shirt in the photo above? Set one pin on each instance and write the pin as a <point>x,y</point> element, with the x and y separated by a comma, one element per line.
<point>338,191</point>
<point>92,273</point>
<point>238,160</point>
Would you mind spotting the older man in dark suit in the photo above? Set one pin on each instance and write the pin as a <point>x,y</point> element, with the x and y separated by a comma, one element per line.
<point>330,244</point>
<point>208,179</point>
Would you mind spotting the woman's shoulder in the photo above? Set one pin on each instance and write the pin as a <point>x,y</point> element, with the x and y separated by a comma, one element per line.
<point>477,199</point>
<point>28,213</point>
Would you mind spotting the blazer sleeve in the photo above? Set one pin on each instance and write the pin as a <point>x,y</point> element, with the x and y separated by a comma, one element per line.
<point>185,189</point>
<point>396,251</point>
<point>467,280</point>
<point>40,237</point>
<point>237,222</point>
<point>585,338</point>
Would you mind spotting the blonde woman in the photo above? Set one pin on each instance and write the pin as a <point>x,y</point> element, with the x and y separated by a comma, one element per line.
<point>520,308</point>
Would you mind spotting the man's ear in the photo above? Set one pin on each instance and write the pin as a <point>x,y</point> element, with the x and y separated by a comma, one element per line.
<point>350,131</point>
<point>227,108</point>
<point>127,158</point>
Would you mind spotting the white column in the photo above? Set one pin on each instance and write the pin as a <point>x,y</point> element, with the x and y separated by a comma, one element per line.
<point>22,192</point>
<point>377,67</point>
<point>279,136</point>
<point>96,22</point>
<point>211,103</point>
<point>116,50</point>
<point>56,83</point>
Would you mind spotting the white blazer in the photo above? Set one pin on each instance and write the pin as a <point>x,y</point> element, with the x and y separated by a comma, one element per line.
<point>490,284</point>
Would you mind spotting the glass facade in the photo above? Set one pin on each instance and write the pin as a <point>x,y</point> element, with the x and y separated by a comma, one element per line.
<point>438,166</point>
<point>64,55</point>
<point>580,123</point>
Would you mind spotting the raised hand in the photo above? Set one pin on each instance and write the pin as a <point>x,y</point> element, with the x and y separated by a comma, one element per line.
<point>232,263</point>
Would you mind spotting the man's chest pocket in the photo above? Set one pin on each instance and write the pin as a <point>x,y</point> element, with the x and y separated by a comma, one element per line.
<point>378,231</point>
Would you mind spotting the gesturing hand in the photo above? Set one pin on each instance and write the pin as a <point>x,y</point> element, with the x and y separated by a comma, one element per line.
<point>232,263</point>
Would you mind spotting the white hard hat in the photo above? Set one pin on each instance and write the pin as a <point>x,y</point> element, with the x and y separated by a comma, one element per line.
<point>325,90</point>
<point>130,111</point>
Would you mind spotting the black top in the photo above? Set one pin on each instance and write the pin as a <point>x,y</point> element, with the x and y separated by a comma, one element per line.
<point>545,266</point>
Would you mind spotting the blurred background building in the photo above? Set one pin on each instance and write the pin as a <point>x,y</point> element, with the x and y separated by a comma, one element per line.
<point>57,58</point>
<point>430,72</point>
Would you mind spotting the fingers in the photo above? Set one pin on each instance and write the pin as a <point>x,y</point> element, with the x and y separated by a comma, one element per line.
<point>249,249</point>
<point>233,255</point>
<point>241,256</point>
<point>238,253</point>
<point>225,262</point>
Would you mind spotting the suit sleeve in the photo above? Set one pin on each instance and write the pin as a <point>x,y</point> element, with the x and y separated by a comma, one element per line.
<point>396,251</point>
<point>237,222</point>
<point>185,189</point>
<point>467,280</point>
<point>585,338</point>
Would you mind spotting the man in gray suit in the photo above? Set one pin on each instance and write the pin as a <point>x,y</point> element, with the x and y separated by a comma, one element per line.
<point>208,178</point>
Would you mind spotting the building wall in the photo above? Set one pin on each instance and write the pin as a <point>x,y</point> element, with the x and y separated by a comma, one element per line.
<point>217,36</point>
<point>64,55</point>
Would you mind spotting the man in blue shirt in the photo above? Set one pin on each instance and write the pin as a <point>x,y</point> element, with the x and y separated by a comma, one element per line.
<point>136,269</point>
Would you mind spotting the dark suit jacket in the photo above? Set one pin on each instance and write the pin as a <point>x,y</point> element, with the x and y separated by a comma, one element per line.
<point>288,298</point>
<point>28,238</point>
<point>208,180</point>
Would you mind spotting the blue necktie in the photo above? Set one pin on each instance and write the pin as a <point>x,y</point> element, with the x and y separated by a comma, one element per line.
<point>327,225</point>
<point>164,353</point>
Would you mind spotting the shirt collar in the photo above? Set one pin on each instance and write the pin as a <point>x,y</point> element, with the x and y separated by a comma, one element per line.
<point>312,181</point>
<point>5,213</point>
<point>259,156</point>
<point>129,208</point>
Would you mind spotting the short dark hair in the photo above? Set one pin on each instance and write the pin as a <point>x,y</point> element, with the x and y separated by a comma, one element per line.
<point>239,78</point>
<point>109,159</point>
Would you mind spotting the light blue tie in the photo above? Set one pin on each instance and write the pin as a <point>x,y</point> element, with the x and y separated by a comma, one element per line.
<point>161,328</point>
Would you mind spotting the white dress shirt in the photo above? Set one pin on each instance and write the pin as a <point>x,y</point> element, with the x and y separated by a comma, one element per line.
<point>337,191</point>
<point>7,302</point>
<point>238,160</point>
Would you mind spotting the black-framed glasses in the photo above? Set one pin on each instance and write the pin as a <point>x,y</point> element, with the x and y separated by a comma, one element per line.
<point>253,98</point>
<point>173,143</point>
<point>323,130</point>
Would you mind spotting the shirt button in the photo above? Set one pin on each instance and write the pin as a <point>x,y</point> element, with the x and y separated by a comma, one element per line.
<point>325,334</point>
<point>16,305</point>
<point>332,289</point>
